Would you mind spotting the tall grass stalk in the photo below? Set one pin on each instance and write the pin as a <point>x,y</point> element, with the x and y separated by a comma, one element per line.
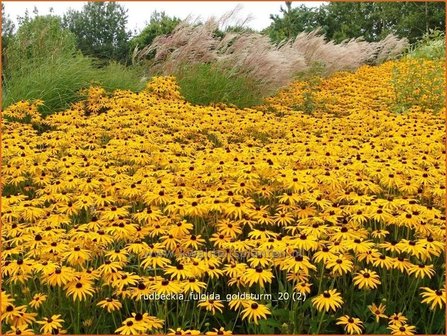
<point>252,55</point>
<point>58,81</point>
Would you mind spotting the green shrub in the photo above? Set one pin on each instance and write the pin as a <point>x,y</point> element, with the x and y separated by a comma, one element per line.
<point>204,84</point>
<point>37,41</point>
<point>419,82</point>
<point>431,46</point>
<point>312,79</point>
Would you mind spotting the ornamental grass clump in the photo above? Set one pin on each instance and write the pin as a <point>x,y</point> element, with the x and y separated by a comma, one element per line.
<point>253,58</point>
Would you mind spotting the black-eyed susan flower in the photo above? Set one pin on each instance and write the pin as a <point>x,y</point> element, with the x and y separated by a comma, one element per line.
<point>220,331</point>
<point>180,331</point>
<point>303,288</point>
<point>5,301</point>
<point>239,302</point>
<point>11,313</point>
<point>37,300</point>
<point>59,276</point>
<point>340,265</point>
<point>328,300</point>
<point>254,311</point>
<point>165,286</point>
<point>352,325</point>
<point>421,271</point>
<point>378,311</point>
<point>193,285</point>
<point>257,275</point>
<point>80,289</point>
<point>403,329</point>
<point>211,305</point>
<point>179,272</point>
<point>367,279</point>
<point>383,261</point>
<point>143,322</point>
<point>110,304</point>
<point>20,330</point>
<point>402,264</point>
<point>24,318</point>
<point>433,297</point>
<point>51,323</point>
<point>298,263</point>
<point>129,327</point>
<point>397,319</point>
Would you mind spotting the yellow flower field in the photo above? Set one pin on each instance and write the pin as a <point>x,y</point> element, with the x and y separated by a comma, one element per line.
<point>136,213</point>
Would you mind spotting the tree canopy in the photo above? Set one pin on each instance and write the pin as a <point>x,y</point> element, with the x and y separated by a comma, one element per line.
<point>159,24</point>
<point>370,20</point>
<point>100,29</point>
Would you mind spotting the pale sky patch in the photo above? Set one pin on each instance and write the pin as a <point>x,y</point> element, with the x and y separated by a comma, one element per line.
<point>139,12</point>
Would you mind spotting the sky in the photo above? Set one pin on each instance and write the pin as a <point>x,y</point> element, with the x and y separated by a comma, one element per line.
<point>139,12</point>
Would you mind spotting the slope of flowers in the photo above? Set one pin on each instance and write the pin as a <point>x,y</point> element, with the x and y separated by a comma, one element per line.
<point>412,83</point>
<point>131,196</point>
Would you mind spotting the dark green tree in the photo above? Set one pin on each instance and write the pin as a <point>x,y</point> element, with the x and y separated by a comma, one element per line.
<point>100,30</point>
<point>370,20</point>
<point>375,20</point>
<point>292,21</point>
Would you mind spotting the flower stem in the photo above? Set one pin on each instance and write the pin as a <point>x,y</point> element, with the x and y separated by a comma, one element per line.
<point>320,323</point>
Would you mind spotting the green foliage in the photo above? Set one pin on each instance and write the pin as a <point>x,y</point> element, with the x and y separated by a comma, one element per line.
<point>42,62</point>
<point>312,79</point>
<point>370,20</point>
<point>159,24</point>
<point>58,82</point>
<point>205,84</point>
<point>116,76</point>
<point>419,85</point>
<point>100,30</point>
<point>375,20</point>
<point>38,40</point>
<point>213,138</point>
<point>431,46</point>
<point>292,21</point>
<point>54,82</point>
<point>7,28</point>
<point>220,33</point>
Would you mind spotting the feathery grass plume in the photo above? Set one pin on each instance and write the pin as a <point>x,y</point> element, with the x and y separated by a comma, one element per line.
<point>390,47</point>
<point>254,57</point>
